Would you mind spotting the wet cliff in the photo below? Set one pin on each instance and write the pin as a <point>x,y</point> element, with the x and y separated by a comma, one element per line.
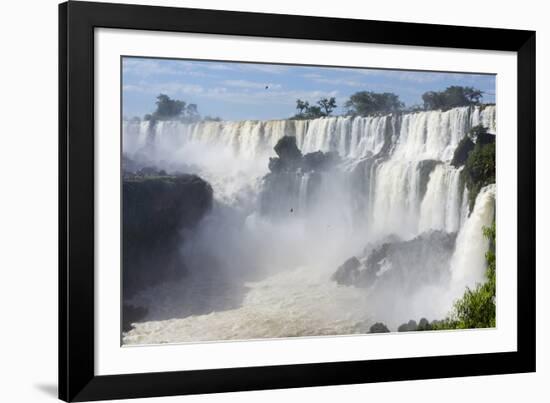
<point>159,212</point>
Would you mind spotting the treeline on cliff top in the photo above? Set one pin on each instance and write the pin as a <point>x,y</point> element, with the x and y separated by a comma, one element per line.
<point>361,103</point>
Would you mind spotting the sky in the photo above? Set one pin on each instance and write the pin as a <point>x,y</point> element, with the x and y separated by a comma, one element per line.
<point>237,91</point>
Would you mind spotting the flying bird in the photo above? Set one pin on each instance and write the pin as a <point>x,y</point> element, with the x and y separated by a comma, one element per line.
<point>266,87</point>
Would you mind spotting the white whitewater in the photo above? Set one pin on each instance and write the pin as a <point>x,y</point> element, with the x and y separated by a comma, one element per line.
<point>467,263</point>
<point>441,206</point>
<point>395,178</point>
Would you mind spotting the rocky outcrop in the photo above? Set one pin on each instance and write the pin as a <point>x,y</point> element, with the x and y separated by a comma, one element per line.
<point>131,315</point>
<point>290,159</point>
<point>319,161</point>
<point>157,211</point>
<point>462,150</point>
<point>293,178</point>
<point>411,264</point>
<point>348,273</point>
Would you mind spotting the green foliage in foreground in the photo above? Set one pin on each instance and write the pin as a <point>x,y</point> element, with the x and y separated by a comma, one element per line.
<point>476,308</point>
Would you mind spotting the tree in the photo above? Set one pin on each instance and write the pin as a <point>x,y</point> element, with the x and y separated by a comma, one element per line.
<point>452,97</point>
<point>314,112</point>
<point>302,106</point>
<point>168,108</point>
<point>173,109</point>
<point>192,113</point>
<point>327,105</point>
<point>433,100</point>
<point>324,107</point>
<point>367,102</point>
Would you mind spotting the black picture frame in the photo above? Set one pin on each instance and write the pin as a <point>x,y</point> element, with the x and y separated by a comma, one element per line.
<point>77,379</point>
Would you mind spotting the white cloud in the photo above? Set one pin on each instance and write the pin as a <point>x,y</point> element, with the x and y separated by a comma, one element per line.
<point>312,76</point>
<point>264,68</point>
<point>236,66</point>
<point>170,88</point>
<point>418,77</point>
<point>149,67</point>
<point>284,97</point>
<point>215,66</point>
<point>251,84</point>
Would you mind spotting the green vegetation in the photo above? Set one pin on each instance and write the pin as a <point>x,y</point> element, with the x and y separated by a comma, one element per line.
<point>379,327</point>
<point>479,167</point>
<point>476,308</point>
<point>367,102</point>
<point>173,109</point>
<point>324,107</point>
<point>327,105</point>
<point>452,97</point>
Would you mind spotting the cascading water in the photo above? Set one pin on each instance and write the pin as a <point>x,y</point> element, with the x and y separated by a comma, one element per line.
<point>441,205</point>
<point>468,260</point>
<point>394,178</point>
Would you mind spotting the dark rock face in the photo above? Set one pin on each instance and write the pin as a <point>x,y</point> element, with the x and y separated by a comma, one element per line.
<point>290,159</point>
<point>462,151</point>
<point>289,156</point>
<point>379,328</point>
<point>347,273</point>
<point>294,178</point>
<point>419,261</point>
<point>319,161</point>
<point>409,264</point>
<point>157,210</point>
<point>481,136</point>
<point>425,168</point>
<point>132,314</point>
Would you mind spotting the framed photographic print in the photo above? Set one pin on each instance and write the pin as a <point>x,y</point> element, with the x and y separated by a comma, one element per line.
<point>254,201</point>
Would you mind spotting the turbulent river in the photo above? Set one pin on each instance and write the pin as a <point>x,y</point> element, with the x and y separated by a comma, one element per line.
<point>260,275</point>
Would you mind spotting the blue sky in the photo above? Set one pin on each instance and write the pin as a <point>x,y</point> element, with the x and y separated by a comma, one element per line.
<point>236,91</point>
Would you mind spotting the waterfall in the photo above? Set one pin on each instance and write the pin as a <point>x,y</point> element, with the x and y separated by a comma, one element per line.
<point>303,193</point>
<point>420,135</point>
<point>442,204</point>
<point>399,143</point>
<point>468,261</point>
<point>393,182</point>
